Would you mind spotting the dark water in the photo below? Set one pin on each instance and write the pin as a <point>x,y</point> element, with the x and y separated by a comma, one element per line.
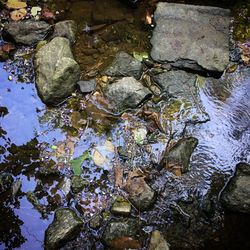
<point>28,130</point>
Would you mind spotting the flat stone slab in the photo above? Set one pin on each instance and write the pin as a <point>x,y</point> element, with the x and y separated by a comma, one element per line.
<point>189,36</point>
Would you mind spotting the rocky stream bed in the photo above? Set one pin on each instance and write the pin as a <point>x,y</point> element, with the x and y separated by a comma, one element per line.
<point>124,125</point>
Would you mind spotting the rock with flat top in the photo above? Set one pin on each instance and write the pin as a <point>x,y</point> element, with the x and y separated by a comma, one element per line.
<point>189,36</point>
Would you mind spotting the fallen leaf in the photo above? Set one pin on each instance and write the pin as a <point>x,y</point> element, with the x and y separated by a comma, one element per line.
<point>15,4</point>
<point>7,47</point>
<point>98,158</point>
<point>148,18</point>
<point>135,183</point>
<point>47,14</point>
<point>17,15</point>
<point>109,146</point>
<point>118,174</point>
<point>76,163</point>
<point>125,242</point>
<point>140,135</point>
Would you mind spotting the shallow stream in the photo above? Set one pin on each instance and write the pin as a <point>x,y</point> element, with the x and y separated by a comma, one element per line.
<point>33,136</point>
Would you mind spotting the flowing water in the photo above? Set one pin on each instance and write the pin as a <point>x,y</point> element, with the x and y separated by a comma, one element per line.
<point>31,133</point>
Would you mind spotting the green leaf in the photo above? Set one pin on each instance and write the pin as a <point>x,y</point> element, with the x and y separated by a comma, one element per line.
<point>76,163</point>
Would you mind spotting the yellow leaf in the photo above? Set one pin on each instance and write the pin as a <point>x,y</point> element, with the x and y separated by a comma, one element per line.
<point>98,158</point>
<point>17,15</point>
<point>15,4</point>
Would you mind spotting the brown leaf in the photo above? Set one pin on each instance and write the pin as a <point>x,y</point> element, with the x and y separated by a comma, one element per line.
<point>118,174</point>
<point>7,47</point>
<point>125,242</point>
<point>135,183</point>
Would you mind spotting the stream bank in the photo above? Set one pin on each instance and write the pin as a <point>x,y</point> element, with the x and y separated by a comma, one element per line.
<point>143,156</point>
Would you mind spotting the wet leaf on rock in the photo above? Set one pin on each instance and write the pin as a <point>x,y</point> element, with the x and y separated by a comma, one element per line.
<point>125,242</point>
<point>76,163</point>
<point>118,174</point>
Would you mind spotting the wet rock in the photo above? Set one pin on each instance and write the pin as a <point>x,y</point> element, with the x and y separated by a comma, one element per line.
<point>182,90</point>
<point>123,233</point>
<point>177,158</point>
<point>157,241</point>
<point>78,184</point>
<point>65,226</point>
<point>31,197</point>
<point>65,29</point>
<point>87,86</point>
<point>121,207</point>
<point>195,37</point>
<point>56,71</point>
<point>140,193</point>
<point>236,196</point>
<point>28,32</point>
<point>96,222</point>
<point>126,93</point>
<point>124,65</point>
<point>6,181</point>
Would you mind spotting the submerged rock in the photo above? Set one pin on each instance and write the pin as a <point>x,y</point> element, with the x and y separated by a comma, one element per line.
<point>177,158</point>
<point>123,234</point>
<point>183,104</point>
<point>140,193</point>
<point>126,93</point>
<point>124,65</point>
<point>78,184</point>
<point>56,71</point>
<point>96,221</point>
<point>189,36</point>
<point>65,226</point>
<point>236,196</point>
<point>28,32</point>
<point>121,207</point>
<point>65,29</point>
<point>157,241</point>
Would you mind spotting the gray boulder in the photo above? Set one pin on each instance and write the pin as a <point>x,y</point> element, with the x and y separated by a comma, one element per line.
<point>178,157</point>
<point>28,32</point>
<point>125,231</point>
<point>190,36</point>
<point>124,65</point>
<point>65,29</point>
<point>65,226</point>
<point>236,195</point>
<point>56,71</point>
<point>126,93</point>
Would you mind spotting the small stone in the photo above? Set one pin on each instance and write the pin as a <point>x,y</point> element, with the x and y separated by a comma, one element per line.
<point>121,207</point>
<point>78,184</point>
<point>178,157</point>
<point>65,226</point>
<point>157,241</point>
<point>65,29</point>
<point>87,86</point>
<point>10,78</point>
<point>96,222</point>
<point>27,32</point>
